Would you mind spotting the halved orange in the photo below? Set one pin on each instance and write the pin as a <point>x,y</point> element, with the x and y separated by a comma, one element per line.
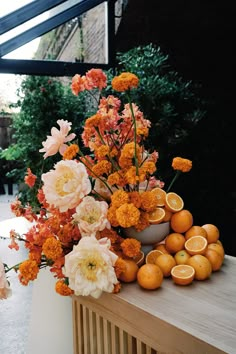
<point>139,259</point>
<point>168,215</point>
<point>160,196</point>
<point>174,202</point>
<point>196,245</point>
<point>152,256</point>
<point>182,274</point>
<point>156,216</point>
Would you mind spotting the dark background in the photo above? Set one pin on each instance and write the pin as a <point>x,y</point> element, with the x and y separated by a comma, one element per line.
<point>198,37</point>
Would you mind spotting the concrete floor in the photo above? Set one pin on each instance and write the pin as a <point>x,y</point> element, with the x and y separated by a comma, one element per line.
<point>15,311</point>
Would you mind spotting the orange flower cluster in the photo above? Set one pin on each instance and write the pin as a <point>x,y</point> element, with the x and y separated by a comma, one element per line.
<point>180,164</point>
<point>92,198</point>
<point>124,82</point>
<point>131,209</point>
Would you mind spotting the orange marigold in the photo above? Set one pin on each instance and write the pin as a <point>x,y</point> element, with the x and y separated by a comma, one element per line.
<point>28,270</point>
<point>71,152</point>
<point>148,167</point>
<point>93,121</point>
<point>125,162</point>
<point>111,216</point>
<point>102,151</point>
<point>119,197</point>
<point>135,199</point>
<point>124,82</point>
<point>143,131</point>
<point>128,152</point>
<point>63,289</point>
<point>131,247</point>
<point>148,201</point>
<point>116,178</point>
<point>119,267</point>
<point>52,248</point>
<point>143,222</point>
<point>35,255</point>
<point>127,215</point>
<point>180,164</point>
<point>102,167</point>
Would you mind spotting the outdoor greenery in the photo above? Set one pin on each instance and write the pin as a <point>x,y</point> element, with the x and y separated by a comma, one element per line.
<point>42,101</point>
<point>173,106</point>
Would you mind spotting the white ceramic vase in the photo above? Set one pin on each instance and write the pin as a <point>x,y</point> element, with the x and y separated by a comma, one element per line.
<point>149,236</point>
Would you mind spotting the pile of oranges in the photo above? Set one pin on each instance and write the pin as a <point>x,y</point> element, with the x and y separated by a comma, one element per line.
<point>189,252</point>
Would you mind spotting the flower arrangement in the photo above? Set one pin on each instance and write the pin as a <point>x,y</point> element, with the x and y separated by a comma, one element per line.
<point>88,200</point>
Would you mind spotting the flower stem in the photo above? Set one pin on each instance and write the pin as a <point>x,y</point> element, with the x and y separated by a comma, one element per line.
<point>98,177</point>
<point>135,138</point>
<point>178,172</point>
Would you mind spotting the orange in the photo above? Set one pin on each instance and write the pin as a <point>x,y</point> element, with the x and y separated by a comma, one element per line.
<point>156,216</point>
<point>181,221</point>
<point>174,202</point>
<point>150,276</point>
<point>202,266</point>
<point>182,274</point>
<point>139,259</point>
<point>152,256</point>
<point>174,242</point>
<point>213,232</point>
<point>219,242</point>
<point>215,259</point>
<point>181,257</point>
<point>130,272</point>
<point>196,245</point>
<point>168,215</point>
<point>195,230</point>
<point>161,247</point>
<point>218,248</point>
<point>166,262</point>
<point>160,196</point>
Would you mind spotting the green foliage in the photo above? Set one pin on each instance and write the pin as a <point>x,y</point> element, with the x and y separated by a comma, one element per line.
<point>173,106</point>
<point>42,101</point>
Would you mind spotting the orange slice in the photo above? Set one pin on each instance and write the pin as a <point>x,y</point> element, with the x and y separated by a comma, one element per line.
<point>152,256</point>
<point>168,215</point>
<point>139,259</point>
<point>156,216</point>
<point>182,274</point>
<point>160,196</point>
<point>196,245</point>
<point>173,202</point>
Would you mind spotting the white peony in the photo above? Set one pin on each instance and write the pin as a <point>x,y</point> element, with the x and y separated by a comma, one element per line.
<point>66,185</point>
<point>89,267</point>
<point>91,216</point>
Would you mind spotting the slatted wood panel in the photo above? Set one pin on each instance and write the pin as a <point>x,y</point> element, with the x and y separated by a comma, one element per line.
<point>96,335</point>
<point>171,320</point>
